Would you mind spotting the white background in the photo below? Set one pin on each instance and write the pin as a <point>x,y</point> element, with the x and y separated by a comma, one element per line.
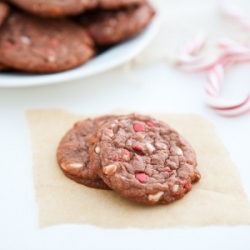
<point>152,87</point>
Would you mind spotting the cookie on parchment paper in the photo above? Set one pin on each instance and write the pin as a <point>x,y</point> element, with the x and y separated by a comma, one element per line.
<point>72,153</point>
<point>143,159</point>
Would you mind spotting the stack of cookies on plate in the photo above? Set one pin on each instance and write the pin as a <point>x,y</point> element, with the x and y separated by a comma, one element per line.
<point>141,158</point>
<point>45,36</point>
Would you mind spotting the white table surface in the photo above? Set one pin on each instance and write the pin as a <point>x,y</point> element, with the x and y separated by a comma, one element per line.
<point>155,87</point>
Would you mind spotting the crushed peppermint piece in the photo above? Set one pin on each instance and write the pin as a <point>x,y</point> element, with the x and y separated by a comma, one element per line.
<point>138,127</point>
<point>137,148</point>
<point>141,177</point>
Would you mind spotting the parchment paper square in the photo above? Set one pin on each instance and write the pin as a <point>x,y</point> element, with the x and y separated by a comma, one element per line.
<point>218,199</point>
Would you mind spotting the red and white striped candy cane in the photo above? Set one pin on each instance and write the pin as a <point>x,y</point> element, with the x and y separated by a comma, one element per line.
<point>226,107</point>
<point>194,45</point>
<point>233,51</point>
<point>215,80</point>
<point>187,59</point>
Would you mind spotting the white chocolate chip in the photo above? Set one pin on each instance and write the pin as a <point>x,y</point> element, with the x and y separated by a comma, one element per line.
<point>109,132</point>
<point>126,156</point>
<point>113,125</point>
<point>179,151</point>
<point>64,166</point>
<point>155,197</point>
<point>51,58</point>
<point>175,188</point>
<point>150,147</point>
<point>110,169</point>
<point>160,145</point>
<point>25,40</point>
<point>97,150</point>
<point>140,136</point>
<point>71,165</point>
<point>76,165</point>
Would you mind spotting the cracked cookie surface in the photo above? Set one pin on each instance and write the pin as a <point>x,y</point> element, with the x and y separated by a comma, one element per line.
<point>33,44</point>
<point>108,27</point>
<point>143,159</point>
<point>59,8</point>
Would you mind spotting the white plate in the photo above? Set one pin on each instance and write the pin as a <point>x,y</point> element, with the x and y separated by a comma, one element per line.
<point>111,58</point>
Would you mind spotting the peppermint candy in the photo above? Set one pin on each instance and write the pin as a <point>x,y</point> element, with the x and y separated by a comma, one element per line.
<point>230,52</point>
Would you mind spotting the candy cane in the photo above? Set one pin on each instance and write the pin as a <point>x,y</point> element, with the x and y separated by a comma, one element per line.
<point>221,106</point>
<point>234,51</point>
<point>187,59</point>
<point>230,52</point>
<point>227,107</point>
<point>200,65</point>
<point>235,14</point>
<point>194,45</point>
<point>215,79</point>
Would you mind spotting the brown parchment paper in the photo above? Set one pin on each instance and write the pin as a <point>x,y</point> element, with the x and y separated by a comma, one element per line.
<point>218,199</point>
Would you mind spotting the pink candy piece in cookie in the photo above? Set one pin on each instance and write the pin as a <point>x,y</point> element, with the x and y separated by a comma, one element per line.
<point>141,177</point>
<point>137,148</point>
<point>150,123</point>
<point>138,127</point>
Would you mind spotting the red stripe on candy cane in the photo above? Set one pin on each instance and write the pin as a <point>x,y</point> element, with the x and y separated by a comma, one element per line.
<point>226,104</point>
<point>215,80</point>
<point>226,107</point>
<point>200,65</point>
<point>194,45</point>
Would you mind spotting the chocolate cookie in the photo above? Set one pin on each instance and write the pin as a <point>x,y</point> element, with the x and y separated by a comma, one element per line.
<point>143,159</point>
<point>33,44</point>
<point>112,26</point>
<point>72,153</point>
<point>4,11</point>
<point>58,8</point>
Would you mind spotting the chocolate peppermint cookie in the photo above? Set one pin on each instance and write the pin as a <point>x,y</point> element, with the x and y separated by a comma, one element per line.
<point>72,153</point>
<point>143,159</point>
<point>33,44</point>
<point>58,8</point>
<point>108,27</point>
